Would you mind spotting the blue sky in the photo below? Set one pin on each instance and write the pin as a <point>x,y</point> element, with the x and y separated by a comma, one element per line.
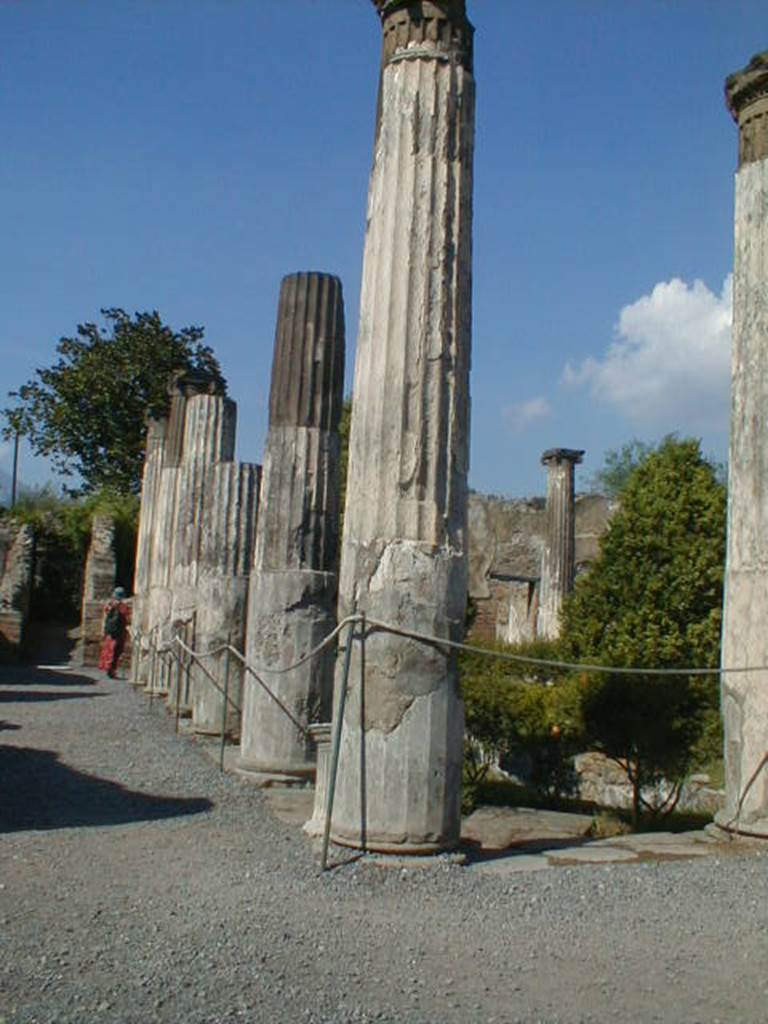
<point>183,155</point>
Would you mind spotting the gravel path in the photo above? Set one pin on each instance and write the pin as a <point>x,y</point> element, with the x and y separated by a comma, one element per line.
<point>140,885</point>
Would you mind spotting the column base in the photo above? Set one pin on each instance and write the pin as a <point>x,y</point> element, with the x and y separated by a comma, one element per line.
<point>756,829</point>
<point>373,845</point>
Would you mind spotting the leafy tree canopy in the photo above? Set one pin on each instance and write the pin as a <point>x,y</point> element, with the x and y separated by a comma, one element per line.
<point>87,412</point>
<point>654,595</point>
<point>618,466</point>
<point>653,599</point>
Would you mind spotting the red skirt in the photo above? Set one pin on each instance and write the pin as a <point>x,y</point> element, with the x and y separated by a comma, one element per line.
<point>111,649</point>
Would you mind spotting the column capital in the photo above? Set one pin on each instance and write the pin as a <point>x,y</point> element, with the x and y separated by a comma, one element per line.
<point>746,96</point>
<point>557,455</point>
<point>426,29</point>
<point>189,383</point>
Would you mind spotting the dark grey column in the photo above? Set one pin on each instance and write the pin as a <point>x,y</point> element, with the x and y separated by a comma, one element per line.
<point>745,636</point>
<point>558,563</point>
<point>404,546</point>
<point>292,599</point>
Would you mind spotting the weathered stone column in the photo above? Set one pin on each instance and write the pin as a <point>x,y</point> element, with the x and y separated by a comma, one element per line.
<point>745,636</point>
<point>98,584</point>
<point>193,437</point>
<point>209,438</point>
<point>404,546</point>
<point>145,545</point>
<point>292,600</point>
<point>558,563</point>
<point>226,557</point>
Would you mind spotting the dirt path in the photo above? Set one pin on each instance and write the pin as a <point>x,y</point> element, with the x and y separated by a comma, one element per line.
<point>140,885</point>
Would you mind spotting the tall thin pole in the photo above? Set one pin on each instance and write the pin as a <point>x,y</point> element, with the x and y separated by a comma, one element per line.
<point>15,471</point>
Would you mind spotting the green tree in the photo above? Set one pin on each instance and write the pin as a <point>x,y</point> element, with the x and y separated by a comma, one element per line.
<point>62,528</point>
<point>618,466</point>
<point>87,412</point>
<point>653,599</point>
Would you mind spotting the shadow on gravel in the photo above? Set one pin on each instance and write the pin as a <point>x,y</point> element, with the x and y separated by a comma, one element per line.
<point>475,853</point>
<point>37,791</point>
<point>29,675</point>
<point>23,696</point>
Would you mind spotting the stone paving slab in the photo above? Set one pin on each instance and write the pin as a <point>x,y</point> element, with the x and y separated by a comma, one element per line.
<point>590,855</point>
<point>533,839</point>
<point>499,828</point>
<point>514,864</point>
<point>656,839</point>
<point>680,849</point>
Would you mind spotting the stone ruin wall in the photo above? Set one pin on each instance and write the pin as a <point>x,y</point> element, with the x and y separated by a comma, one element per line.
<point>506,544</point>
<point>98,584</point>
<point>17,551</point>
<point>506,541</point>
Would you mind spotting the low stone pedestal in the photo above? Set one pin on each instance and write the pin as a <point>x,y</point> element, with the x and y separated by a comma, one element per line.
<point>321,734</point>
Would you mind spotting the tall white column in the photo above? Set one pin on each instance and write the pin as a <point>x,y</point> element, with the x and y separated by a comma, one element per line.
<point>403,552</point>
<point>745,626</point>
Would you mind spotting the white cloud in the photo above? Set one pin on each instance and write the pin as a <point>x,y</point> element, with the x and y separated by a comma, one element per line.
<point>669,366</point>
<point>520,415</point>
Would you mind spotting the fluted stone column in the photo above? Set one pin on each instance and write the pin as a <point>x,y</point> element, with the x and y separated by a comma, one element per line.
<point>209,438</point>
<point>226,557</point>
<point>745,636</point>
<point>292,600</point>
<point>200,432</point>
<point>145,544</point>
<point>558,564</point>
<point>404,545</point>
<point>163,524</point>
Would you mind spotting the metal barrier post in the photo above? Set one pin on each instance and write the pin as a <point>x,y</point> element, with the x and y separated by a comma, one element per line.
<point>225,706</point>
<point>187,678</point>
<point>152,664</point>
<point>178,691</point>
<point>336,743</point>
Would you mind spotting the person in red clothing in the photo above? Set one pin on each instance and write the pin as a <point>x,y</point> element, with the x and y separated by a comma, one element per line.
<point>117,616</point>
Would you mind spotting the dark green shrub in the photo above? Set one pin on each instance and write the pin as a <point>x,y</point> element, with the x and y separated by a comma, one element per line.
<point>518,712</point>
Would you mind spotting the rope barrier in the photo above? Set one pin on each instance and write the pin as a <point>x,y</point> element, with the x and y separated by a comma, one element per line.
<point>374,625</point>
<point>385,627</point>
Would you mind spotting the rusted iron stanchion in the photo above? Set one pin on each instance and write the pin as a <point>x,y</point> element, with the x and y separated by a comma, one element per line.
<point>152,664</point>
<point>178,691</point>
<point>225,705</point>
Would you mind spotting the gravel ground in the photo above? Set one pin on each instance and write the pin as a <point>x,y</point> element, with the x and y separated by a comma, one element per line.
<point>140,885</point>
